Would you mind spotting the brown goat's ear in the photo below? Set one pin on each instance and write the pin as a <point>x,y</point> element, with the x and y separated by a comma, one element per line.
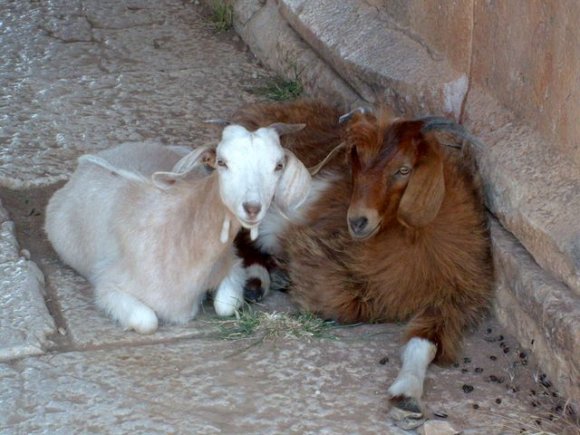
<point>424,194</point>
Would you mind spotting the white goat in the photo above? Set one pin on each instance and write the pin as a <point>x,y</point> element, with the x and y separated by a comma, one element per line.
<point>152,230</point>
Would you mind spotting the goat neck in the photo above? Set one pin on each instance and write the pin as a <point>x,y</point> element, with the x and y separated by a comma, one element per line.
<point>198,213</point>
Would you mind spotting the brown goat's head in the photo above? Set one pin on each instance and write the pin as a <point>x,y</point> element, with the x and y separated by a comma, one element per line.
<point>397,174</point>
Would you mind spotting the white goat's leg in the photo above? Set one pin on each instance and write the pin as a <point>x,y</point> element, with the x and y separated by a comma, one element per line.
<point>407,389</point>
<point>230,293</point>
<point>130,312</point>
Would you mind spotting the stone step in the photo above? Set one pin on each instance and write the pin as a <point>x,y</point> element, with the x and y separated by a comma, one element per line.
<point>541,312</point>
<point>25,323</point>
<point>535,193</point>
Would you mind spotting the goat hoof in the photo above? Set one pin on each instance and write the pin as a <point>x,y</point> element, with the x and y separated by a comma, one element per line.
<point>253,290</point>
<point>143,321</point>
<point>406,412</point>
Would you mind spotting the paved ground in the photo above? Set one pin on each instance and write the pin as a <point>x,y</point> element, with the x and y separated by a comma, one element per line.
<point>83,75</point>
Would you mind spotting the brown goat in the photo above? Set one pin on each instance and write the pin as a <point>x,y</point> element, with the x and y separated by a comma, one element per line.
<point>399,235</point>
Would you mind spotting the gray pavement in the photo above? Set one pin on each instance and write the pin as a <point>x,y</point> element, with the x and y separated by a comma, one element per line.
<point>83,75</point>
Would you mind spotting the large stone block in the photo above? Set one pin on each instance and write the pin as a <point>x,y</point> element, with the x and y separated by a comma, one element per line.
<point>445,27</point>
<point>534,192</point>
<point>380,62</point>
<point>526,54</point>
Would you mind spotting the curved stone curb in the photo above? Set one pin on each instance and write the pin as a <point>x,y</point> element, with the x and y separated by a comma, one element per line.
<point>25,323</point>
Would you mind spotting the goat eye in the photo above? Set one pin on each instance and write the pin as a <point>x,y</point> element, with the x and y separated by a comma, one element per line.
<point>404,170</point>
<point>279,167</point>
<point>221,163</point>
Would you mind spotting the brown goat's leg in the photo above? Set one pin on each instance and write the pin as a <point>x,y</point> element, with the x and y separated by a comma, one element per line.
<point>407,389</point>
<point>433,334</point>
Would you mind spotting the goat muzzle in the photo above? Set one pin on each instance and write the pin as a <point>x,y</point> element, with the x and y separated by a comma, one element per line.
<point>362,226</point>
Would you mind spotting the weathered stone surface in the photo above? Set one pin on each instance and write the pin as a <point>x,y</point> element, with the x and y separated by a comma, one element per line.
<point>8,243</point>
<point>531,65</point>
<point>277,45</point>
<point>25,323</point>
<point>543,313</point>
<point>443,27</point>
<point>61,119</point>
<point>379,62</point>
<point>126,84</point>
<point>201,386</point>
<point>437,427</point>
<point>197,387</point>
<point>534,193</point>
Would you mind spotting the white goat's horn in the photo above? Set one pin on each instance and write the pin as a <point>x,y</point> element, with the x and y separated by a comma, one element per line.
<point>217,121</point>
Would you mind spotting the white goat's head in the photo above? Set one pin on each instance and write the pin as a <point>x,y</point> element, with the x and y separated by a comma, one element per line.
<point>254,169</point>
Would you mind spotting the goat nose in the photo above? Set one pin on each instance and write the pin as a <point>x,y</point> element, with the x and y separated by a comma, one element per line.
<point>252,208</point>
<point>358,224</point>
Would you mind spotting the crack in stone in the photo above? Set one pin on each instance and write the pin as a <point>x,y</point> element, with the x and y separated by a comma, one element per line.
<point>396,27</point>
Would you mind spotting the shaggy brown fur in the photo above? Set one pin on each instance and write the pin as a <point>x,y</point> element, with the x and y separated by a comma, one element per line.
<point>424,255</point>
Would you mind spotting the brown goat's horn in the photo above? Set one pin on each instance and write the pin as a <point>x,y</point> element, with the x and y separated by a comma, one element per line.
<point>316,169</point>
<point>436,123</point>
<point>362,110</point>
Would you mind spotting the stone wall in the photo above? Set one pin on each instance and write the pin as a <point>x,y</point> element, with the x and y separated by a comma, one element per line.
<point>509,71</point>
<point>524,53</point>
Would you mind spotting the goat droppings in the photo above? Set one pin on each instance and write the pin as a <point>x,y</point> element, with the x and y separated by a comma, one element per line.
<point>467,388</point>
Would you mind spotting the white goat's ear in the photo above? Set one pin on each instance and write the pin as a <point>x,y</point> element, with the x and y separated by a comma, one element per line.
<point>185,166</point>
<point>164,180</point>
<point>199,156</point>
<point>282,128</point>
<point>217,121</point>
<point>294,185</point>
<point>104,164</point>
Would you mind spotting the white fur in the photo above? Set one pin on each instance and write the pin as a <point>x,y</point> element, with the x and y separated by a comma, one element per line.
<point>277,221</point>
<point>249,174</point>
<point>416,356</point>
<point>144,222</point>
<point>230,293</point>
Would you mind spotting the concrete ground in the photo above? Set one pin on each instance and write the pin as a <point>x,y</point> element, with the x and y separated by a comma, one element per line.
<point>83,75</point>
